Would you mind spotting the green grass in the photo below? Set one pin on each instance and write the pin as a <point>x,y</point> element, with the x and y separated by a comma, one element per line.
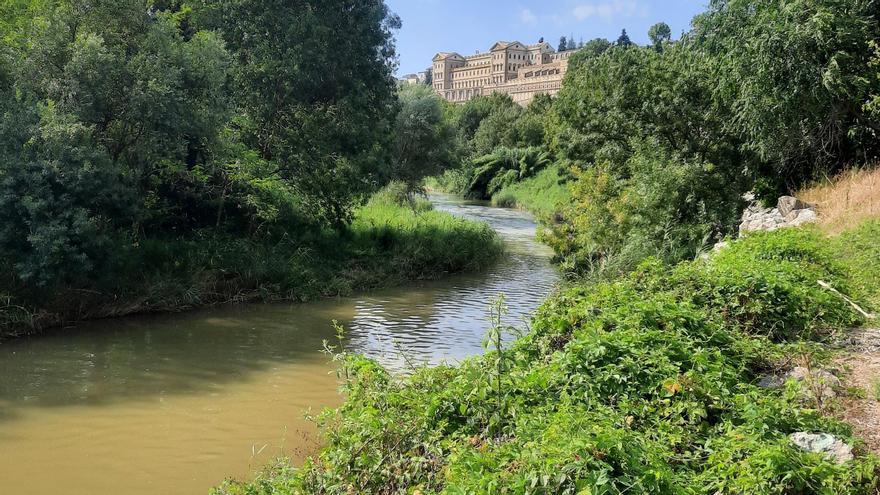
<point>645,384</point>
<point>540,195</point>
<point>860,249</point>
<point>387,244</point>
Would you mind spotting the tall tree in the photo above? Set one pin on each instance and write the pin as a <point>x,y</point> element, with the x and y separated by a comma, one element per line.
<point>799,83</point>
<point>424,142</point>
<point>660,34</point>
<point>563,44</point>
<point>319,90</point>
<point>623,40</point>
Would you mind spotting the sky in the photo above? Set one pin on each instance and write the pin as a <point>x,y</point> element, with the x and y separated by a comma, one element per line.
<point>465,26</point>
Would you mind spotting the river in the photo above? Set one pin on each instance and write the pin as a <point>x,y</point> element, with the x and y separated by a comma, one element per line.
<point>172,404</point>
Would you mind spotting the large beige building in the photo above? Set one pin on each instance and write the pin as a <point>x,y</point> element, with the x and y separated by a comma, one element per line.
<point>522,71</point>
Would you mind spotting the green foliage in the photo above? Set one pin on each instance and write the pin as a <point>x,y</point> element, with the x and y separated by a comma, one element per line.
<point>325,120</point>
<point>623,40</point>
<point>502,143</point>
<point>504,167</point>
<point>161,155</point>
<point>660,34</point>
<point>797,85</point>
<point>658,173</point>
<point>544,194</point>
<point>633,386</point>
<point>424,142</point>
<point>860,248</point>
<point>591,49</point>
<point>654,204</point>
<point>61,203</point>
<point>387,243</point>
<point>873,106</point>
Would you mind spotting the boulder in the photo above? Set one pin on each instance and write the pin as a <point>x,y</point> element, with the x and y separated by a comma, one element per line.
<point>802,217</point>
<point>788,204</point>
<point>833,448</point>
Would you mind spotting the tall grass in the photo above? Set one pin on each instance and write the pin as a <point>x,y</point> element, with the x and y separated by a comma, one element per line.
<point>847,200</point>
<point>859,248</point>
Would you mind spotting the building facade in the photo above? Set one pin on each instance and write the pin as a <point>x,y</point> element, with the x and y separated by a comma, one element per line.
<point>512,68</point>
<point>420,78</point>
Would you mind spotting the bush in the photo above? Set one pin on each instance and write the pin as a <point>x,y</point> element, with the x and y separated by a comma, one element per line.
<point>391,240</point>
<point>767,284</point>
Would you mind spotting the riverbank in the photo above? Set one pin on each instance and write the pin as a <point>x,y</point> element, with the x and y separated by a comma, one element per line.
<point>542,195</point>
<point>647,383</point>
<point>387,244</point>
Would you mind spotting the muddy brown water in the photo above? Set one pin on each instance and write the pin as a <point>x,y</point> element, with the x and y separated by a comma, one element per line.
<point>173,404</point>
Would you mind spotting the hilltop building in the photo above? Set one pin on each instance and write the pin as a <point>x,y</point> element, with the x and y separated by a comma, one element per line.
<point>419,78</point>
<point>512,68</point>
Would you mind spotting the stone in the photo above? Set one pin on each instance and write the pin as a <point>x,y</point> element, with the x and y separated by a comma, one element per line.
<point>819,382</point>
<point>804,216</point>
<point>833,448</point>
<point>788,204</point>
<point>771,381</point>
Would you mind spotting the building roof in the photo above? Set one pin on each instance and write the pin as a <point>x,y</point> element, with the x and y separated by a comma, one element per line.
<point>445,55</point>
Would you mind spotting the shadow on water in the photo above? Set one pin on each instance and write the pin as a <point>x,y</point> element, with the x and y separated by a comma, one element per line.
<point>104,362</point>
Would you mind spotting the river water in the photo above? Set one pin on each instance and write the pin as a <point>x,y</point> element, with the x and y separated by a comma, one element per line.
<point>172,404</point>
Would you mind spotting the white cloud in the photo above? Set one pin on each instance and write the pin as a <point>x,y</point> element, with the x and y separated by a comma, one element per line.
<point>608,10</point>
<point>527,17</point>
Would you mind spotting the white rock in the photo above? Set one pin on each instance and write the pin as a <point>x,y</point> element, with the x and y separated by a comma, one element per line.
<point>830,446</point>
<point>804,216</point>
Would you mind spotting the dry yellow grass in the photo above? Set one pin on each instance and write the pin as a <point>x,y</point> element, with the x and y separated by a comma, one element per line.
<point>847,200</point>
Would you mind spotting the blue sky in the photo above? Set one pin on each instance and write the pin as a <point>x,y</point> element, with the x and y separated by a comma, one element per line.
<point>463,26</point>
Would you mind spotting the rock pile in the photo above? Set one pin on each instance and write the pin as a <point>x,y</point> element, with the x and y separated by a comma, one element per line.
<point>789,212</point>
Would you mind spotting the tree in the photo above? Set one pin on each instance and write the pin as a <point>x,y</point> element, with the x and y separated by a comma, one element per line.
<point>571,44</point>
<point>873,105</point>
<point>563,44</point>
<point>660,34</point>
<point>325,120</point>
<point>424,142</point>
<point>623,40</point>
<point>154,100</point>
<point>429,76</point>
<point>591,49</point>
<point>799,84</point>
<point>627,118</point>
<point>63,202</point>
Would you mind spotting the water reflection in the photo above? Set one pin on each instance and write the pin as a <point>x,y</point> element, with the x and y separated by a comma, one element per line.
<point>172,403</point>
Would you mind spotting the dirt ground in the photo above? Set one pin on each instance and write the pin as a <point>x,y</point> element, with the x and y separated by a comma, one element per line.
<point>860,406</point>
